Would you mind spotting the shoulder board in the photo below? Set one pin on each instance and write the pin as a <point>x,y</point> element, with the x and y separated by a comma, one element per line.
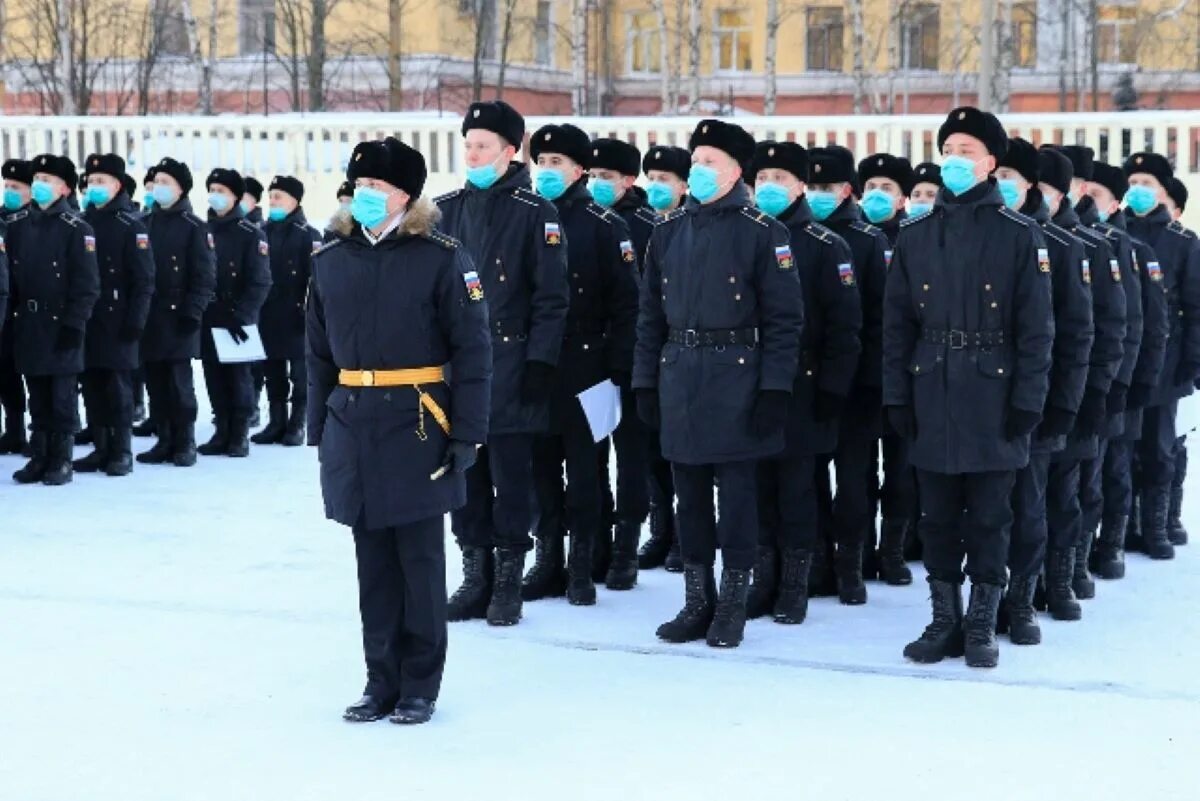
<point>1176,227</point>
<point>447,196</point>
<point>1057,234</point>
<point>910,220</point>
<point>448,242</point>
<point>646,215</point>
<point>1019,219</point>
<point>246,225</point>
<point>817,233</point>
<point>527,197</point>
<point>755,215</point>
<point>70,218</point>
<point>1108,232</point>
<point>328,246</point>
<point>865,227</point>
<point>126,217</point>
<point>19,214</point>
<point>300,225</point>
<point>193,219</point>
<point>608,215</point>
<point>1088,236</point>
<point>674,215</point>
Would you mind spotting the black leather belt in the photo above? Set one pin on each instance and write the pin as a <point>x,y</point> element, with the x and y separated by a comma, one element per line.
<point>513,329</point>
<point>962,340</point>
<point>713,337</point>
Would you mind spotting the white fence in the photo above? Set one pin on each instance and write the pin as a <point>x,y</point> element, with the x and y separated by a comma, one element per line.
<point>316,148</point>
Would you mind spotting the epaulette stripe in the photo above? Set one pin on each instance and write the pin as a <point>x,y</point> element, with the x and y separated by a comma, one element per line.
<point>645,215</point>
<point>1065,242</point>
<point>918,218</point>
<point>515,196</point>
<point>674,215</point>
<point>447,196</point>
<point>866,228</point>
<point>1176,228</point>
<point>193,220</point>
<point>327,246</point>
<point>448,242</point>
<point>1005,211</point>
<point>756,216</point>
<point>599,211</point>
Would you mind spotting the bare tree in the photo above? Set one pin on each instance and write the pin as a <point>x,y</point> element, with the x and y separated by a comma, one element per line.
<point>65,39</point>
<point>695,15</point>
<point>506,33</point>
<point>857,44</point>
<point>579,51</point>
<point>778,12</point>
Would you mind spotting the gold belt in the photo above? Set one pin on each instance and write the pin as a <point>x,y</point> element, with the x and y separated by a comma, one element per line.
<point>414,378</point>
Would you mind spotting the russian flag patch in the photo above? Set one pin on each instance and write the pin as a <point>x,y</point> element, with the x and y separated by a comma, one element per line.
<point>1114,267</point>
<point>887,258</point>
<point>1154,270</point>
<point>553,234</point>
<point>1043,260</point>
<point>474,287</point>
<point>627,250</point>
<point>263,248</point>
<point>1086,270</point>
<point>212,245</point>
<point>143,241</point>
<point>783,257</point>
<point>89,244</point>
<point>846,273</point>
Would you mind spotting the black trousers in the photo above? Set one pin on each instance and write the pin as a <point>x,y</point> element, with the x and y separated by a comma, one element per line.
<point>898,495</point>
<point>230,389</point>
<point>1030,533</point>
<point>787,502</point>
<point>12,391</point>
<point>53,402</point>
<point>108,398</point>
<point>402,602</point>
<point>1118,478</point>
<point>172,391</point>
<point>258,374</point>
<point>700,531</point>
<point>1063,513</point>
<point>138,382</point>
<point>968,515</point>
<point>661,477</point>
<point>1156,448</point>
<point>1091,488</point>
<point>577,508</point>
<point>633,467</point>
<point>282,375</point>
<point>856,472</point>
<point>500,493</point>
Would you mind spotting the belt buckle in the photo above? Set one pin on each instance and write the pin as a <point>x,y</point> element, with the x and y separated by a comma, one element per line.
<point>958,340</point>
<point>32,305</point>
<point>368,378</point>
<point>691,338</point>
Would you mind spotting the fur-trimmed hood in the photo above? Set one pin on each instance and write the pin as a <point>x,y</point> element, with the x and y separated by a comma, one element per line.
<point>420,219</point>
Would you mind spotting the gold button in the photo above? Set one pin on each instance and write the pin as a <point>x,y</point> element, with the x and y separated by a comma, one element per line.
<point>580,290</point>
<point>994,304</point>
<point>664,280</point>
<point>1000,371</point>
<point>737,296</point>
<point>917,369</point>
<point>808,372</point>
<point>987,287</point>
<point>585,347</point>
<point>506,339</point>
<point>926,287</point>
<point>741,360</point>
<point>502,278</point>
<point>922,305</point>
<point>732,280</point>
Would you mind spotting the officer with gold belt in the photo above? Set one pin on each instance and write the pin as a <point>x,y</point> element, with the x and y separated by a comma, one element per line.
<point>391,302</point>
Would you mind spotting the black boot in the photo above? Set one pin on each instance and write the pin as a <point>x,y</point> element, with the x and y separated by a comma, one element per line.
<point>13,442</point>
<point>791,604</point>
<point>1108,557</point>
<point>674,563</point>
<point>160,452</point>
<point>1133,533</point>
<point>59,470</point>
<point>1155,504</point>
<point>913,552</point>
<point>700,602</point>
<point>505,607</point>
<point>120,452</point>
<point>219,442</point>
<point>1081,580</point>
<point>581,589</point>
<point>1023,626</point>
<point>602,547</point>
<point>761,599</point>
<point>368,709</point>
<point>272,433</point>
<point>729,620</point>
<point>892,568</point>
<point>98,458</point>
<point>870,553</point>
<point>183,445</point>
<point>623,568</point>
<point>293,432</point>
<point>1060,598</point>
<point>943,637</point>
<point>848,563</point>
<point>35,468</point>
<point>662,533</point>
<point>979,629</point>
<point>547,578</point>
<point>822,582</point>
<point>1176,533</point>
<point>239,438</point>
<point>145,428</point>
<point>470,600</point>
<point>83,436</point>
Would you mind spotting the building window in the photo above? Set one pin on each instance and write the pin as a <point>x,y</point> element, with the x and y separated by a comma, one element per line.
<point>1025,35</point>
<point>1116,28</point>
<point>256,27</point>
<point>172,33</point>
<point>825,33</point>
<point>919,33</point>
<point>731,37</point>
<point>543,43</point>
<point>644,43</point>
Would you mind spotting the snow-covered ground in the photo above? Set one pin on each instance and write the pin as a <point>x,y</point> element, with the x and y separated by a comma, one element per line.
<point>193,634</point>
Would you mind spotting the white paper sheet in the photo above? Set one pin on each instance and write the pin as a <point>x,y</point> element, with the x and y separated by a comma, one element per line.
<point>602,406</point>
<point>231,352</point>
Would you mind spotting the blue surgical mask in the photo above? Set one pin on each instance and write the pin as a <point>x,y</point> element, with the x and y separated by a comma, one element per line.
<point>1102,216</point>
<point>483,176</point>
<point>702,182</point>
<point>43,193</point>
<point>245,207</point>
<point>917,209</point>
<point>660,195</point>
<point>551,184</point>
<point>1010,192</point>
<point>98,195</point>
<point>369,206</point>
<point>878,205</point>
<point>823,204</point>
<point>276,214</point>
<point>12,199</point>
<point>85,202</point>
<point>1142,199</point>
<point>148,200</point>
<point>164,196</point>
<point>958,174</point>
<point>218,202</point>
<point>603,191</point>
<point>772,198</point>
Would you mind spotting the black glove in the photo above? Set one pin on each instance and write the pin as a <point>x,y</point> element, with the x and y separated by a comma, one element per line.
<point>1092,412</point>
<point>903,421</point>
<point>1056,423</point>
<point>238,333</point>
<point>536,382</point>
<point>647,407</point>
<point>68,339</point>
<point>1139,396</point>
<point>1020,423</point>
<point>770,412</point>
<point>621,378</point>
<point>1187,373</point>
<point>458,459</point>
<point>1117,400</point>
<point>187,325</point>
<point>827,406</point>
<point>130,333</point>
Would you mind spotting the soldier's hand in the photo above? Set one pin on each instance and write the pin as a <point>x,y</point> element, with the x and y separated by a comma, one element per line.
<point>536,382</point>
<point>827,406</point>
<point>1057,423</point>
<point>647,407</point>
<point>770,412</point>
<point>187,325</point>
<point>238,333</point>
<point>1020,423</point>
<point>459,458</point>
<point>130,332</point>
<point>1117,400</point>
<point>68,339</point>
<point>1139,395</point>
<point>903,421</point>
